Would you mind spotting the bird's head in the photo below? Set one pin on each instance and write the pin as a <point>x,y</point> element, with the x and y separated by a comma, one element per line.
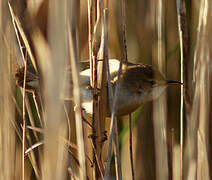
<point>145,80</point>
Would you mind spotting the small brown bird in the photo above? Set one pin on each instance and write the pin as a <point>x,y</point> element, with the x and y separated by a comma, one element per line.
<point>139,83</point>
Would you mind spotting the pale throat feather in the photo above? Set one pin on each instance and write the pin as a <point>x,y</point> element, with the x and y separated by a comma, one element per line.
<point>128,101</point>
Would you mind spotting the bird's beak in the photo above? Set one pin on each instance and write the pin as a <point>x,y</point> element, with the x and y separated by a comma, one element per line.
<point>171,82</point>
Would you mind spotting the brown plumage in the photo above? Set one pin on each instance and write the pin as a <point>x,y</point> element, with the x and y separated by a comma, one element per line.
<point>139,83</point>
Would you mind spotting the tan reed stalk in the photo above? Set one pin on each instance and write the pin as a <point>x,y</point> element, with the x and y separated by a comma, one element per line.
<point>110,97</point>
<point>97,47</point>
<point>112,128</point>
<point>181,89</point>
<point>53,61</point>
<point>123,7</point>
<point>18,29</point>
<point>106,82</point>
<point>21,37</point>
<point>7,108</point>
<point>77,101</point>
<point>201,77</point>
<point>196,144</point>
<point>101,80</point>
<point>74,56</point>
<point>94,19</point>
<point>159,105</point>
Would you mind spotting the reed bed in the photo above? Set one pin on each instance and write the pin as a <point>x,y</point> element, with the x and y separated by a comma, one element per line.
<point>45,136</point>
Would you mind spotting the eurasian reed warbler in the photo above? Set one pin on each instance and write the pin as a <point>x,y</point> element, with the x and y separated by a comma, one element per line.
<point>139,83</point>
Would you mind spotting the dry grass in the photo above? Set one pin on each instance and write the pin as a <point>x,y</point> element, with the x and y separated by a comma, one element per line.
<point>44,137</point>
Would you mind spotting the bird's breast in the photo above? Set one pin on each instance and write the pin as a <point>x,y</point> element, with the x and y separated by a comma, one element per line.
<point>129,101</point>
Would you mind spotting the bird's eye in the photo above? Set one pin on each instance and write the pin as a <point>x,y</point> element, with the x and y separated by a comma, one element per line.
<point>152,82</point>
